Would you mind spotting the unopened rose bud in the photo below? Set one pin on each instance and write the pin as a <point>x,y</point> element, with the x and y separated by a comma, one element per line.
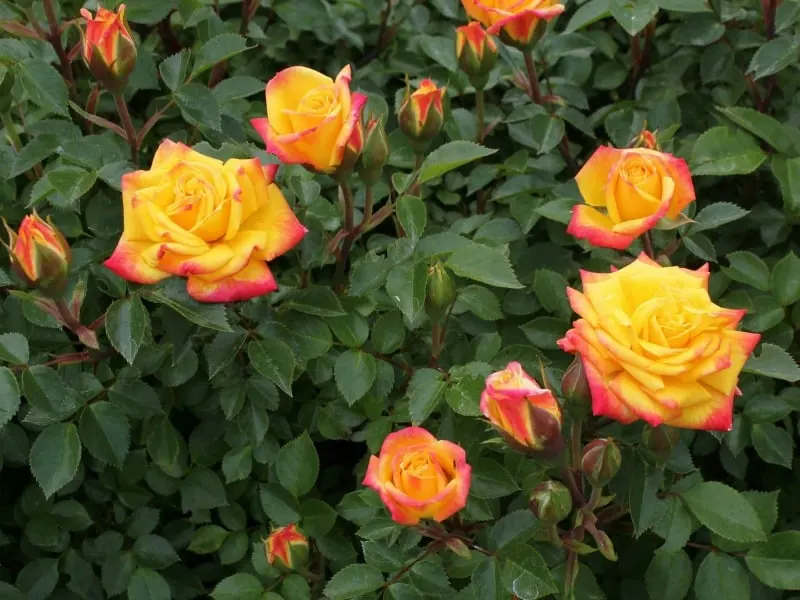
<point>287,548</point>
<point>476,51</point>
<point>375,153</point>
<point>660,441</point>
<point>604,544</point>
<point>108,47</point>
<point>39,255</point>
<point>441,292</point>
<point>601,461</point>
<point>421,114</point>
<point>575,389</point>
<point>551,502</point>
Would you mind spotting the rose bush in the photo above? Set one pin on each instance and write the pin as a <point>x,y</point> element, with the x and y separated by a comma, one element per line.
<point>395,300</point>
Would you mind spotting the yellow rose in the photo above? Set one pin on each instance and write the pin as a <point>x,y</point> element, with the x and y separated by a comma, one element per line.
<point>655,347</point>
<point>519,23</point>
<point>312,120</point>
<point>215,223</point>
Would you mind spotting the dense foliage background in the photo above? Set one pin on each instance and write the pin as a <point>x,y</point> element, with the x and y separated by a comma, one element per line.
<point>156,465</point>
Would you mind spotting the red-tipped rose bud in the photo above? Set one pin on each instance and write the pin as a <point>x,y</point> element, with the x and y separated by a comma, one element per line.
<point>476,51</point>
<point>601,461</point>
<point>39,254</point>
<point>441,292</point>
<point>287,548</point>
<point>551,502</point>
<point>108,47</point>
<point>575,389</point>
<point>526,415</point>
<point>660,441</point>
<point>376,151</point>
<point>421,115</point>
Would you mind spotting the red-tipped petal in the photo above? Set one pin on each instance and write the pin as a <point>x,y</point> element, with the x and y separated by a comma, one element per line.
<point>596,228</point>
<point>254,280</point>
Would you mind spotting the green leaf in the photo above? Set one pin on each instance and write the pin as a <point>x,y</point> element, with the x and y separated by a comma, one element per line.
<point>773,57</point>
<point>451,156</point>
<point>773,444</point>
<point>34,152</point>
<point>127,325</point>
<point>241,586</point>
<point>318,518</point>
<point>71,182</point>
<point>491,480</point>
<point>278,504</point>
<point>551,290</point>
<point>524,573</point>
<point>44,85</point>
<point>669,576</point>
<point>237,464</point>
<point>388,333</point>
<point>208,539</point>
<point>748,268</point>
<point>760,125</point>
<point>633,15</point>
<point>198,106</point>
<point>315,300</point>
<point>784,281</point>
<point>172,292</point>
<point>787,172</point>
<point>725,151</point>
<point>716,215</point>
<point>55,456</point>
<point>155,552</point>
<point>9,396</point>
<point>14,348</point>
<point>105,432</point>
<point>223,350</point>
<point>483,264</point>
<point>355,372</point>
<point>237,87</point>
<point>480,301</point>
<point>353,581</point>
<point>412,214</point>
<point>588,13</point>
<point>406,285</point>
<point>724,511</point>
<point>425,393</point>
<point>774,362</point>
<point>297,465</point>
<point>146,584</point>
<point>201,490</point>
<point>174,68</point>
<point>721,576</point>
<point>275,361</point>
<point>216,50</point>
<point>777,561</point>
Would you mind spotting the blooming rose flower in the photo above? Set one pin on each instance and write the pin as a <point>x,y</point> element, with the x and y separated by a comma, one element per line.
<point>215,223</point>
<point>627,192</point>
<point>519,23</point>
<point>419,477</point>
<point>312,120</point>
<point>655,347</point>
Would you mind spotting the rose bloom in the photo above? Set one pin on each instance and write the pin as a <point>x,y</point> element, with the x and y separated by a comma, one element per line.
<point>525,414</point>
<point>312,120</point>
<point>627,192</point>
<point>519,22</point>
<point>419,477</point>
<point>215,223</point>
<point>655,347</point>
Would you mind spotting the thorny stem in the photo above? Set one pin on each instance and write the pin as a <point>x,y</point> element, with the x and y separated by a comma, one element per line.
<point>127,124</point>
<point>418,160</point>
<point>91,103</point>
<point>72,322</point>
<point>431,549</point>
<point>151,122</point>
<point>647,239</point>
<point>347,207</point>
<point>55,40</point>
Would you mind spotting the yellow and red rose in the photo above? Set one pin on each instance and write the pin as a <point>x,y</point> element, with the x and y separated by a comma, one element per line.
<point>518,22</point>
<point>313,120</point>
<point>215,223</point>
<point>627,192</point>
<point>287,548</point>
<point>419,477</point>
<point>524,413</point>
<point>39,254</point>
<point>655,347</point>
<point>476,51</point>
<point>108,47</point>
<point>421,114</point>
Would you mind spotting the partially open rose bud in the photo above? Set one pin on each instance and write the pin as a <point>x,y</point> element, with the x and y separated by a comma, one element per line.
<point>476,51</point>
<point>421,115</point>
<point>108,47</point>
<point>551,502</point>
<point>601,461</point>
<point>39,254</point>
<point>287,548</point>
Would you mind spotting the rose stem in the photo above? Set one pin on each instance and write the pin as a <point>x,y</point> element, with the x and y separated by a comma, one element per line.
<point>480,110</point>
<point>55,39</point>
<point>347,206</point>
<point>647,239</point>
<point>127,124</point>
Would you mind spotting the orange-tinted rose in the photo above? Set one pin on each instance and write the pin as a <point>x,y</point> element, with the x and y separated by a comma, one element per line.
<point>287,548</point>
<point>108,47</point>
<point>215,223</point>
<point>655,347</point>
<point>419,477</point>
<point>518,22</point>
<point>39,254</point>
<point>627,192</point>
<point>313,120</point>
<point>476,51</point>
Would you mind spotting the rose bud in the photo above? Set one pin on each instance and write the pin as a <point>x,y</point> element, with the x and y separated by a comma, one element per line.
<point>601,461</point>
<point>476,51</point>
<point>375,152</point>
<point>660,441</point>
<point>526,415</point>
<point>551,502</point>
<point>441,292</point>
<point>108,47</point>
<point>421,115</point>
<point>287,548</point>
<point>39,254</point>
<point>575,388</point>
